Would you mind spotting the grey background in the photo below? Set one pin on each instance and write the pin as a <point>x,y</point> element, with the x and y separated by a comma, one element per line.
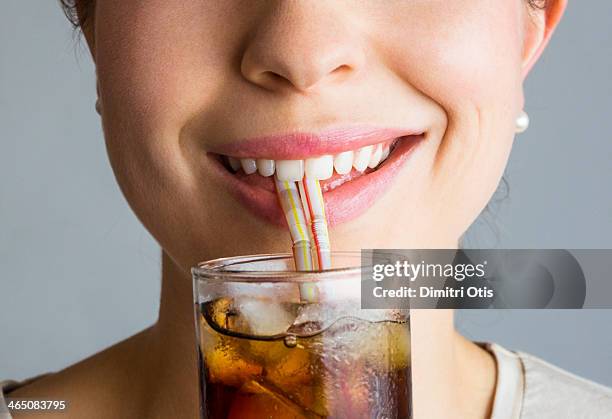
<point>78,272</point>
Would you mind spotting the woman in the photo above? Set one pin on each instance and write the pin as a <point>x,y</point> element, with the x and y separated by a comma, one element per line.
<point>202,101</point>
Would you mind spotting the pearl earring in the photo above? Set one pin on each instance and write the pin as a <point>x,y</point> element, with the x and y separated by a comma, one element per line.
<point>98,103</point>
<point>522,122</point>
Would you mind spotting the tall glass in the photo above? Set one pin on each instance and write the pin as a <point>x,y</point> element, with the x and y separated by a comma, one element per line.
<point>276,343</point>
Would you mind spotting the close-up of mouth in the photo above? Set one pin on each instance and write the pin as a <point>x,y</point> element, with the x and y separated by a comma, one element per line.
<point>353,167</point>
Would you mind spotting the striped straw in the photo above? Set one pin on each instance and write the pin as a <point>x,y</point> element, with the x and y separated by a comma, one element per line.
<point>314,207</point>
<point>289,198</point>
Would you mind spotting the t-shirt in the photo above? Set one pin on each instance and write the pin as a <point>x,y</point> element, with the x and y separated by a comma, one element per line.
<point>527,388</point>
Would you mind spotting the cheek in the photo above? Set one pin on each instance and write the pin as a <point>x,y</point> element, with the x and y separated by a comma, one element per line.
<point>466,57</point>
<point>158,60</point>
<point>159,64</point>
<point>459,52</point>
<point>154,74</point>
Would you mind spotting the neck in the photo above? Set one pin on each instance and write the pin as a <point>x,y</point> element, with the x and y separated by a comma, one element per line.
<point>176,392</point>
<point>451,376</point>
<point>449,373</point>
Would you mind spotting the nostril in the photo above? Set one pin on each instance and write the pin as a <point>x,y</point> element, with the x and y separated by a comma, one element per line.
<point>270,80</point>
<point>342,72</point>
<point>275,78</point>
<point>344,68</point>
<point>271,72</point>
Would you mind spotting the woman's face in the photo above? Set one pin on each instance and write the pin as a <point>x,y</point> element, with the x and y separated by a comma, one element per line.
<point>185,84</point>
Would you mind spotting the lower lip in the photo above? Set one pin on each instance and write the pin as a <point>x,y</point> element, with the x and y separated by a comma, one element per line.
<point>342,204</point>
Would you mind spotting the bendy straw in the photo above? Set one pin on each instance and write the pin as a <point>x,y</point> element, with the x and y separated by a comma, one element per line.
<point>314,207</point>
<point>291,205</point>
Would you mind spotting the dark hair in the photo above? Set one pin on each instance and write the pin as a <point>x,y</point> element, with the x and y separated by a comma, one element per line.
<point>538,4</point>
<point>80,12</point>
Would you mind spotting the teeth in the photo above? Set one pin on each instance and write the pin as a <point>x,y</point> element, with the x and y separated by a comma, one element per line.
<point>385,152</point>
<point>265,167</point>
<point>320,168</point>
<point>290,170</point>
<point>249,166</point>
<point>234,163</point>
<point>376,156</point>
<point>362,158</point>
<point>343,162</point>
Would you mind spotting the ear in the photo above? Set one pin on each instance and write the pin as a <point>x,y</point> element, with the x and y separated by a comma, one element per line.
<point>539,27</point>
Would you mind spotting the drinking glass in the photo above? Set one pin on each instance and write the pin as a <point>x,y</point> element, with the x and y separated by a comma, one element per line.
<point>276,343</point>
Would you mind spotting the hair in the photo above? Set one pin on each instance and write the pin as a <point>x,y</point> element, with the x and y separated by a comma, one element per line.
<point>538,4</point>
<point>80,12</point>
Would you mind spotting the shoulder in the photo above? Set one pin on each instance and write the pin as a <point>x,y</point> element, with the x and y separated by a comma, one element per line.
<point>5,386</point>
<point>108,384</point>
<point>551,392</point>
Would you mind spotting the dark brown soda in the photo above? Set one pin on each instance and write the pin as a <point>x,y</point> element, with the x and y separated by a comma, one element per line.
<point>321,376</point>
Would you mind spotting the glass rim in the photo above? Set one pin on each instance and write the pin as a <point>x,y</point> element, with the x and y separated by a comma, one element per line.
<point>216,270</point>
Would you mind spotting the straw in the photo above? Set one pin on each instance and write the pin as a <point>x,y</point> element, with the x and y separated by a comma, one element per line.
<point>314,207</point>
<point>290,201</point>
<point>289,198</point>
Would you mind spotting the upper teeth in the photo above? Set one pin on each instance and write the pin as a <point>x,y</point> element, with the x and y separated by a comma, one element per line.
<point>320,167</point>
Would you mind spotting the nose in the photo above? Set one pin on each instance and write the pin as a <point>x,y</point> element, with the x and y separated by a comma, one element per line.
<point>300,45</point>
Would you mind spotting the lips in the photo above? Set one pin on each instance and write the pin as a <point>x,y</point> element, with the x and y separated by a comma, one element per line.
<point>246,168</point>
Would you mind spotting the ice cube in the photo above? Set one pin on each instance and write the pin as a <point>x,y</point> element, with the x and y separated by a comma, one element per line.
<point>290,370</point>
<point>265,317</point>
<point>385,346</point>
<point>314,317</point>
<point>265,352</point>
<point>327,314</point>
<point>382,315</point>
<point>219,312</point>
<point>342,290</point>
<point>297,376</point>
<point>225,366</point>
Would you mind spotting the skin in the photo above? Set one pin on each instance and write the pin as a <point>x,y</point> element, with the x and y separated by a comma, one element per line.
<point>174,75</point>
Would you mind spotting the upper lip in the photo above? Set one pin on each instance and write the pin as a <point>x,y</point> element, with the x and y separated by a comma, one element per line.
<point>301,145</point>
